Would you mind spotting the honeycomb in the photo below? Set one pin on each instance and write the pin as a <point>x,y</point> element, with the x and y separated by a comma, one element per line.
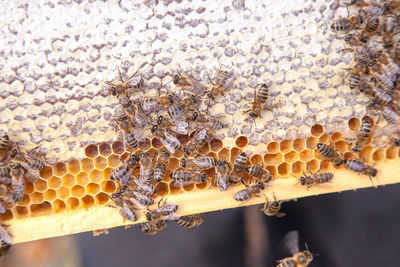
<point>54,68</point>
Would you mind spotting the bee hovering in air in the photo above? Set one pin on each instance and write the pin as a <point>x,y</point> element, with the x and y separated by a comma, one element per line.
<point>163,212</point>
<point>239,167</point>
<point>190,222</point>
<point>183,178</point>
<point>298,259</point>
<point>260,97</point>
<point>273,208</point>
<point>360,167</point>
<point>363,135</point>
<point>152,228</point>
<point>250,190</point>
<point>315,178</point>
<point>124,205</point>
<point>219,84</point>
<point>124,87</point>
<point>329,154</point>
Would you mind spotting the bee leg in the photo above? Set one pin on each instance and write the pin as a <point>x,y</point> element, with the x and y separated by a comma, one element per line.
<point>120,75</point>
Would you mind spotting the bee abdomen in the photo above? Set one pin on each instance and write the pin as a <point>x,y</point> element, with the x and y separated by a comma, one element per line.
<point>159,172</point>
<point>255,170</point>
<point>323,178</point>
<point>131,140</point>
<point>354,81</point>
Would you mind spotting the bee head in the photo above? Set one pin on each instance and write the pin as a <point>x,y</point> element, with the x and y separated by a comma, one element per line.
<point>14,153</point>
<point>176,79</point>
<point>275,204</point>
<point>148,216</point>
<point>302,180</point>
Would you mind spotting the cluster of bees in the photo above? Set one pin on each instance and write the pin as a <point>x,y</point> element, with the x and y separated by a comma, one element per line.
<point>16,167</point>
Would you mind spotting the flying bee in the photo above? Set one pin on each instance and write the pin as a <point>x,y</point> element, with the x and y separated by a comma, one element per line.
<point>17,181</point>
<point>273,208</point>
<point>222,178</point>
<point>347,24</point>
<point>363,134</point>
<point>5,239</point>
<point>160,168</point>
<point>152,228</point>
<point>315,178</point>
<point>369,30</point>
<point>219,84</point>
<point>239,167</point>
<point>123,87</point>
<point>146,173</point>
<point>389,115</point>
<point>329,154</point>
<point>142,187</point>
<point>205,163</point>
<point>183,178</point>
<point>250,190</point>
<point>125,208</point>
<point>389,23</point>
<point>259,172</point>
<point>163,212</point>
<point>299,259</point>
<point>360,167</point>
<point>190,222</point>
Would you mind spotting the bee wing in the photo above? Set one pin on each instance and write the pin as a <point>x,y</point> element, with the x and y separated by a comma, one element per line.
<point>168,146</point>
<point>182,183</point>
<point>180,127</point>
<point>140,119</point>
<point>2,209</point>
<point>18,186</point>
<point>6,238</point>
<point>171,217</point>
<point>137,203</point>
<point>5,180</point>
<point>222,182</point>
<point>168,208</point>
<point>127,212</point>
<point>124,179</point>
<point>139,135</point>
<point>201,135</point>
<point>291,241</point>
<point>31,175</point>
<point>146,173</point>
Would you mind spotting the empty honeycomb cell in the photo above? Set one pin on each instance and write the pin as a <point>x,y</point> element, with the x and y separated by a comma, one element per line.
<point>87,202</point>
<point>40,209</point>
<point>162,189</point>
<point>145,145</point>
<point>68,180</point>
<point>313,165</point>
<point>324,139</point>
<point>284,169</point>
<point>22,212</point>
<point>93,189</point>
<point>58,206</point>
<point>28,188</point>
<point>336,137</point>
<point>366,153</point>
<point>286,146</point>
<point>40,185</point>
<point>7,216</point>
<point>73,166</point>
<point>256,159</point>
<point>325,166</point>
<point>224,154</point>
<point>96,176</point>
<point>113,161</point>
<point>317,130</point>
<point>100,163</point>
<point>118,148</point>
<point>299,145</point>
<point>241,141</point>
<point>107,186</point>
<point>156,143</point>
<point>105,149</point>
<point>311,142</point>
<point>275,159</point>
<point>78,191</point>
<point>349,155</point>
<point>183,139</point>
<point>62,193</point>
<point>379,155</point>
<point>26,201</point>
<point>354,124</point>
<point>341,146</point>
<point>292,156</point>
<point>272,170</point>
<point>188,188</point>
<point>392,153</point>
<point>107,173</point>
<point>46,173</point>
<point>298,167</point>
<point>216,145</point>
<point>202,186</point>
<point>82,178</point>
<point>60,169</point>
<point>36,197</point>
<point>273,147</point>
<point>101,198</point>
<point>91,151</point>
<point>174,189</point>
<point>72,203</point>
<point>205,148</point>
<point>49,195</point>
<point>87,165</point>
<point>306,155</point>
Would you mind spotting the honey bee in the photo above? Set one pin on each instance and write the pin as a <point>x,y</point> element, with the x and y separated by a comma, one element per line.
<point>250,190</point>
<point>170,142</point>
<point>391,6</point>
<point>4,171</point>
<point>183,178</point>
<point>260,97</point>
<point>239,167</point>
<point>152,228</point>
<point>219,84</point>
<point>360,167</point>
<point>125,209</point>
<point>17,181</point>
<point>199,139</point>
<point>273,208</point>
<point>121,174</point>
<point>222,178</point>
<point>177,126</point>
<point>369,30</point>
<point>363,134</point>
<point>355,80</point>
<point>315,178</point>
<point>31,165</point>
<point>146,173</point>
<point>181,80</point>
<point>347,24</point>
<point>187,163</point>
<point>389,115</point>
<point>397,52</point>
<point>259,172</point>
<point>5,239</point>
<point>176,111</point>
<point>4,249</point>
<point>142,187</point>
<point>163,212</point>
<point>130,135</point>
<point>330,154</point>
<point>389,23</point>
<point>190,222</point>
<point>205,163</point>
<point>299,259</point>
<point>396,141</point>
<point>7,197</point>
<point>389,67</point>
<point>140,200</point>
<point>160,168</point>
<point>4,143</point>
<point>123,87</point>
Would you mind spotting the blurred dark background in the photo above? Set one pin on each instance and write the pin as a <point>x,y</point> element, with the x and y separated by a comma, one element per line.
<point>346,229</point>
